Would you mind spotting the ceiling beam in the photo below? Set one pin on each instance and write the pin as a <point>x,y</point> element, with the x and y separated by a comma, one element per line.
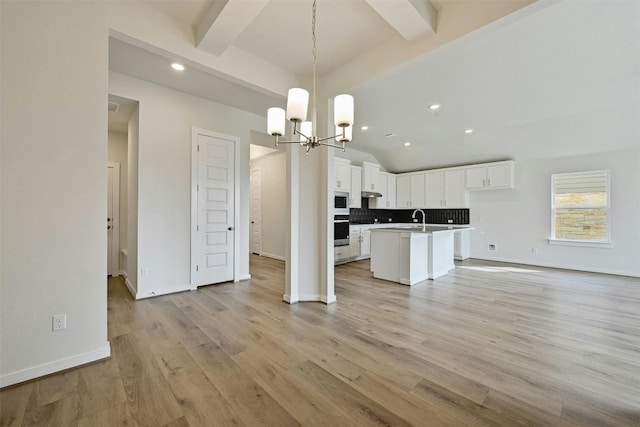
<point>224,22</point>
<point>412,19</point>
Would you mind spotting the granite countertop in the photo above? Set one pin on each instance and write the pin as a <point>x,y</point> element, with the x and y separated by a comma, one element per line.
<point>429,229</point>
<point>408,224</point>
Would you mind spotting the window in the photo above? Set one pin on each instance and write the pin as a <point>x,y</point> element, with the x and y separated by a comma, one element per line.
<point>580,208</point>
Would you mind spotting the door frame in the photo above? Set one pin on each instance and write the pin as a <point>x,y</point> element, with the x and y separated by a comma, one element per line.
<point>115,240</point>
<point>251,184</point>
<point>194,200</point>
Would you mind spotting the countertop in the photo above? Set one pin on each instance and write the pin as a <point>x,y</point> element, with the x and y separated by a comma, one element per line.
<point>428,229</point>
<point>411,225</point>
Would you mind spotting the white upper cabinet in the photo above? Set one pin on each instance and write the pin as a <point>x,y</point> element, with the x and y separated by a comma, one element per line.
<point>490,176</point>
<point>433,184</point>
<point>410,191</point>
<point>391,191</point>
<point>446,189</point>
<point>387,187</point>
<point>343,174</point>
<point>455,194</point>
<point>355,199</point>
<point>370,173</point>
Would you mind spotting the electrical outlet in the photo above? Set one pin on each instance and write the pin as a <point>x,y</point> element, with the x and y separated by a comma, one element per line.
<point>449,221</point>
<point>59,322</point>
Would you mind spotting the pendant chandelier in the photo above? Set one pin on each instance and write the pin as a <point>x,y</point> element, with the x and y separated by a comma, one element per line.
<point>297,104</point>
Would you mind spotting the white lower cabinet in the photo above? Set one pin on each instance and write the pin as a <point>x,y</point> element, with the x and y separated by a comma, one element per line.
<point>341,253</point>
<point>354,242</point>
<point>462,244</point>
<point>365,243</point>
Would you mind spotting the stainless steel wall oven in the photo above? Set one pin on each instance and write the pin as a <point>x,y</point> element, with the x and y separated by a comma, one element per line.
<point>340,230</point>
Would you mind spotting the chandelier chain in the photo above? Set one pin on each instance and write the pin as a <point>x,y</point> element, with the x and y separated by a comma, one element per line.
<point>313,38</point>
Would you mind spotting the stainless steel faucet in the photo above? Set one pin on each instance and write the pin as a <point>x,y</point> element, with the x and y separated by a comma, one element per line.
<point>424,217</point>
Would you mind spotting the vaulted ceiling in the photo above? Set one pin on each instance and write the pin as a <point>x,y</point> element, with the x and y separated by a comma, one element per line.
<point>494,66</point>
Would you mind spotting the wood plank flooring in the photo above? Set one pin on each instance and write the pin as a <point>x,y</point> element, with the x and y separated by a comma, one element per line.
<point>489,344</point>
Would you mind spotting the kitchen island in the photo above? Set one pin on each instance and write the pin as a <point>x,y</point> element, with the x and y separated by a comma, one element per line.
<point>412,254</point>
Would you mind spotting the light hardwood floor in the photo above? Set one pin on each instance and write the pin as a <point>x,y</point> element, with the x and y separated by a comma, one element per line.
<point>489,344</point>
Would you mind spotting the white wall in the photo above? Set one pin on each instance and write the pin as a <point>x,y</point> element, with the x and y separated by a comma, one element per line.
<point>273,169</point>
<point>166,118</point>
<point>357,157</point>
<point>54,156</point>
<point>519,220</point>
<point>118,153</point>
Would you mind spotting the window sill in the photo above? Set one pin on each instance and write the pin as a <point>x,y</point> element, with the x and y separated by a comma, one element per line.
<point>583,243</point>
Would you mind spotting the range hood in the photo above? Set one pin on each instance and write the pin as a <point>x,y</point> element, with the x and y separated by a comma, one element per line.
<point>371,194</point>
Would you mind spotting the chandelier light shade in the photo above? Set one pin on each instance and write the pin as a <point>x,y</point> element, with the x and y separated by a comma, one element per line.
<point>297,105</point>
<point>343,110</point>
<point>275,121</point>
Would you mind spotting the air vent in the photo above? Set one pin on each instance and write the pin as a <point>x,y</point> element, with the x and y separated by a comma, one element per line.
<point>113,107</point>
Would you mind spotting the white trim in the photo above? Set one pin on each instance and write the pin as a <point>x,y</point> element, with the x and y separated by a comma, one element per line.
<point>194,201</point>
<point>273,256</point>
<point>194,205</point>
<point>115,223</point>
<point>241,278</point>
<point>311,298</point>
<point>287,298</point>
<point>329,299</point>
<point>55,366</point>
<point>158,292</point>
<point>563,267</point>
<point>132,291</point>
<point>583,243</point>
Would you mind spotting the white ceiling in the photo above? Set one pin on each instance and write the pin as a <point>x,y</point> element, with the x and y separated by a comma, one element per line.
<point>520,77</point>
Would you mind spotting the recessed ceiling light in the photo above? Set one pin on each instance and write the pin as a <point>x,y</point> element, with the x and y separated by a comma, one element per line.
<point>364,127</point>
<point>406,144</point>
<point>178,67</point>
<point>434,106</point>
<point>468,131</point>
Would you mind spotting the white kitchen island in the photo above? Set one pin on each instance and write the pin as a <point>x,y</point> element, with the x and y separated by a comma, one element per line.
<point>409,255</point>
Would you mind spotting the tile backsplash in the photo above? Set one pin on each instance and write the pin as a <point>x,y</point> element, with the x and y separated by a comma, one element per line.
<point>434,216</point>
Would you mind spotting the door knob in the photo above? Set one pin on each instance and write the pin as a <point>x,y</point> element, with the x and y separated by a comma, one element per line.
<point>108,219</point>
<point>230,228</point>
<point>108,227</point>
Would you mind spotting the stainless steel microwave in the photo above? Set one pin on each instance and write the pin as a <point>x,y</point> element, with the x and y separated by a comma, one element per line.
<point>341,203</point>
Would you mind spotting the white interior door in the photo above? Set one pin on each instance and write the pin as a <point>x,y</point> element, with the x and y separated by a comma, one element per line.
<point>113,223</point>
<point>214,248</point>
<point>256,211</point>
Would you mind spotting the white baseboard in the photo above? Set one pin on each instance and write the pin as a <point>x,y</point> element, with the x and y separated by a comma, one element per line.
<point>129,285</point>
<point>158,292</point>
<point>55,366</point>
<point>310,298</point>
<point>287,298</point>
<point>562,266</point>
<point>241,278</point>
<point>328,300</point>
<point>278,257</point>
<point>122,273</point>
